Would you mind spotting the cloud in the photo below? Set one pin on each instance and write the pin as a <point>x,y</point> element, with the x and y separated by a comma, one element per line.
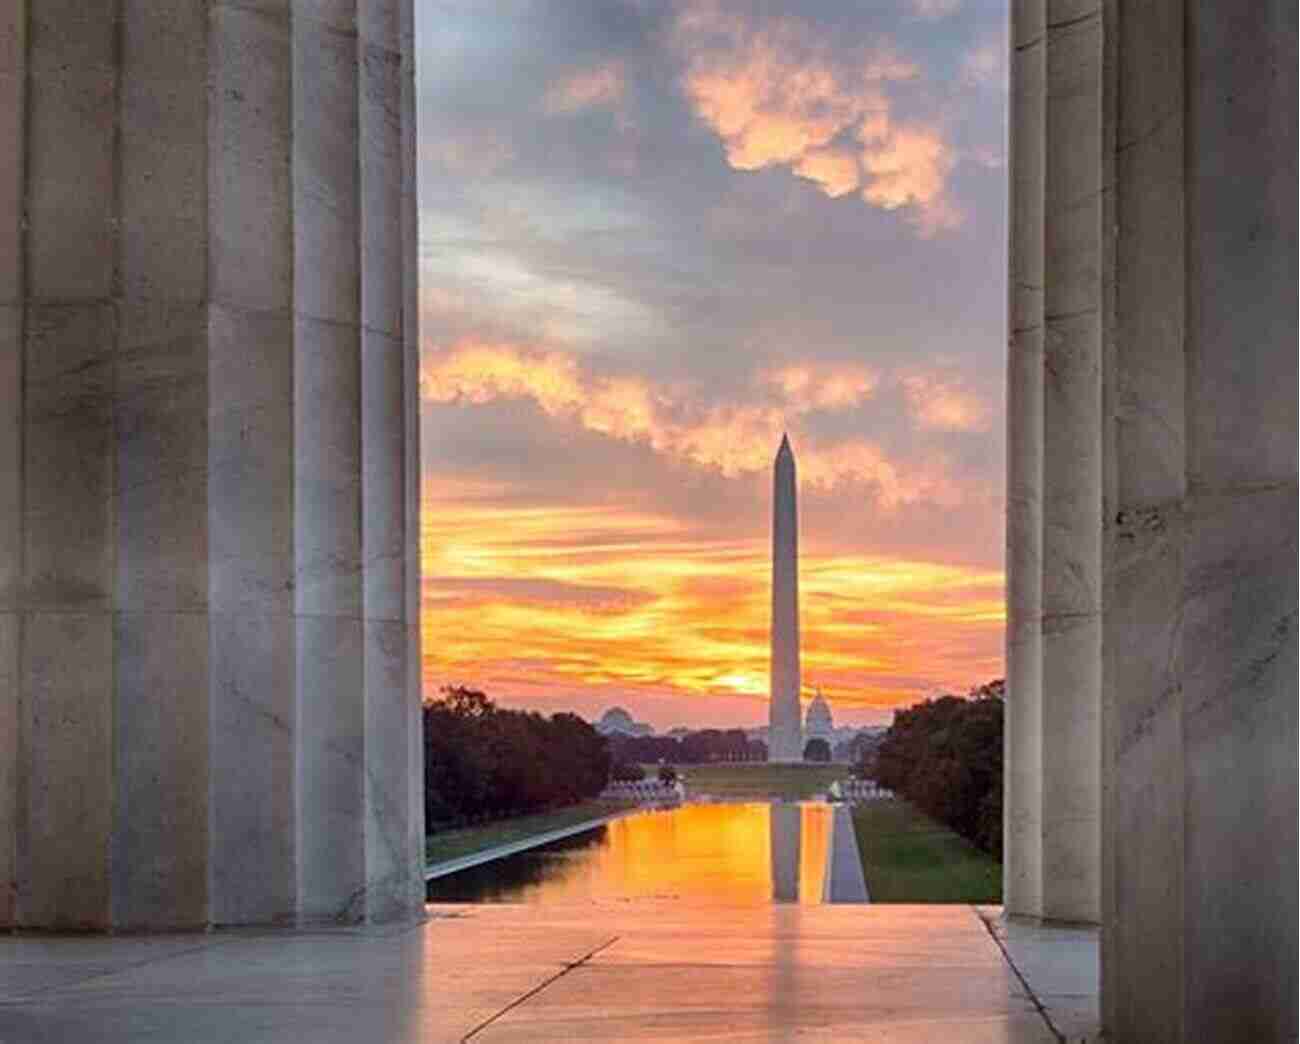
<point>600,596</point>
<point>600,87</point>
<point>471,590</point>
<point>909,165</point>
<point>985,65</point>
<point>477,152</point>
<point>731,437</point>
<point>940,403</point>
<point>990,157</point>
<point>477,372</point>
<point>933,10</point>
<point>835,170</point>
<point>778,95</point>
<point>808,387</point>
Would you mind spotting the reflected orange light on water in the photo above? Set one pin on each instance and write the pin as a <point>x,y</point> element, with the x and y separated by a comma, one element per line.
<point>814,842</point>
<point>730,854</point>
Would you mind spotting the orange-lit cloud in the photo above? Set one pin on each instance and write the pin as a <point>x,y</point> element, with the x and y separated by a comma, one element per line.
<point>905,166</point>
<point>733,438</point>
<point>835,170</point>
<point>569,597</point>
<point>809,387</point>
<point>602,87</point>
<point>941,403</point>
<point>776,95</point>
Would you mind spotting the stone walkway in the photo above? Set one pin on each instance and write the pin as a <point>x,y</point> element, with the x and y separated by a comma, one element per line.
<point>600,972</point>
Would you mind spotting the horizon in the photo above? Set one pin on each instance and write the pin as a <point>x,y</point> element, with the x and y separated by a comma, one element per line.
<point>653,239</point>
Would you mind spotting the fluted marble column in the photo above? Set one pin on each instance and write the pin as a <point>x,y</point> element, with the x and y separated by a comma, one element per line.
<point>1239,593</point>
<point>1145,490</point>
<point>1170,244</point>
<point>1022,885</point>
<point>1072,458</point>
<point>209,505</point>
<point>1054,446</point>
<point>13,64</point>
<point>1199,931</point>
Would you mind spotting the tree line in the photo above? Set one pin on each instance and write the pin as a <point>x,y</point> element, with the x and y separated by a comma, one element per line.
<point>484,762</point>
<point>694,748</point>
<point>945,756</point>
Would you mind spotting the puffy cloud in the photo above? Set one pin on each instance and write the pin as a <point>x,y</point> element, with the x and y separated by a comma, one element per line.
<point>476,372</point>
<point>600,87</point>
<point>940,403</point>
<point>732,437</point>
<point>909,165</point>
<point>777,94</point>
<point>807,387</point>
<point>773,90</point>
<point>835,170</point>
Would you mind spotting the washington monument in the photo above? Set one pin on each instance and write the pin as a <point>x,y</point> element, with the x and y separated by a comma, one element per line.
<point>785,732</point>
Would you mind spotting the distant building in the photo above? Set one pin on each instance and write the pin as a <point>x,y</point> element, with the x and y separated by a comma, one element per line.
<point>617,720</point>
<point>818,723</point>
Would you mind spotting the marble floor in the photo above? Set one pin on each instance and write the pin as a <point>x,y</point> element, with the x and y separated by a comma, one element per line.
<point>644,970</point>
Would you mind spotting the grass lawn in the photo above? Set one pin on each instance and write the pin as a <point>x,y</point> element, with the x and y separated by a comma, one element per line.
<point>757,779</point>
<point>909,858</point>
<point>452,844</point>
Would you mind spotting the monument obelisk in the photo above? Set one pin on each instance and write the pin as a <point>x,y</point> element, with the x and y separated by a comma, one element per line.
<point>785,730</point>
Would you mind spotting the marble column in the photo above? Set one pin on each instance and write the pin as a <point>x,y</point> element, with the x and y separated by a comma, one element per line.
<point>1072,452</point>
<point>1145,491</point>
<point>1022,886</point>
<point>209,505</point>
<point>1239,597</point>
<point>13,80</point>
<point>1052,826</point>
<point>1170,248</point>
<point>1199,940</point>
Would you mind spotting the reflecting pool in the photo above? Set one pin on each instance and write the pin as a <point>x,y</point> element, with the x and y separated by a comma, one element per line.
<point>723,853</point>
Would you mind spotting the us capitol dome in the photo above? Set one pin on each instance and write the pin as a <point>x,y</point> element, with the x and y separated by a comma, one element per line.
<point>818,723</point>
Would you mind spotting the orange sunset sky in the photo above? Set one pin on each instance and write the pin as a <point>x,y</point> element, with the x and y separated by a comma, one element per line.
<point>654,236</point>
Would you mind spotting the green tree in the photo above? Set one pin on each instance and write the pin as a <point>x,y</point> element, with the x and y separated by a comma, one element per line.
<point>945,756</point>
<point>817,749</point>
<point>482,761</point>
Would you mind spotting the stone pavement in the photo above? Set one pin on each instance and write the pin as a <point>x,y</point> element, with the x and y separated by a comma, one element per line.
<point>597,971</point>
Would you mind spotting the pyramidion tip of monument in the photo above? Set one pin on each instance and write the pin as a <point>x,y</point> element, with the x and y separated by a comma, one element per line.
<point>785,443</point>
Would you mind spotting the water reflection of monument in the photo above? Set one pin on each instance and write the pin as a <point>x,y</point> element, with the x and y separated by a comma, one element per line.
<point>814,855</point>
<point>800,838</point>
<point>749,853</point>
<point>786,837</point>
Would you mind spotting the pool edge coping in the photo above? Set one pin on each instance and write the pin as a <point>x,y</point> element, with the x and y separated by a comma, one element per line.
<point>432,871</point>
